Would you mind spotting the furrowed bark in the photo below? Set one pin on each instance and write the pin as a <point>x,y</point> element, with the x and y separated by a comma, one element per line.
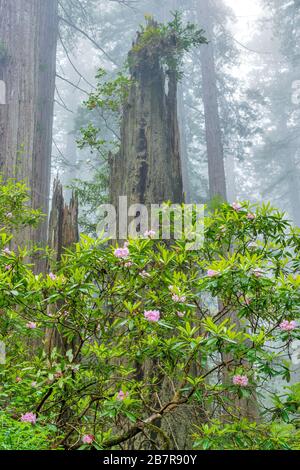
<point>28,37</point>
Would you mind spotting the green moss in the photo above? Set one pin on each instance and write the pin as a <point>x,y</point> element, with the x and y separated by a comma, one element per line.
<point>168,42</point>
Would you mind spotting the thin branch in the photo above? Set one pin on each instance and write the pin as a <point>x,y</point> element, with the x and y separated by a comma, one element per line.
<point>73,84</point>
<point>63,104</point>
<point>85,34</point>
<point>64,107</point>
<point>127,3</point>
<point>71,62</point>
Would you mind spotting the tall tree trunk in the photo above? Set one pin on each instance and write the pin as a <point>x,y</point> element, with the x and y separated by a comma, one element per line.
<point>184,149</point>
<point>215,154</point>
<point>148,170</point>
<point>63,233</point>
<point>148,167</point>
<point>168,7</point>
<point>28,36</point>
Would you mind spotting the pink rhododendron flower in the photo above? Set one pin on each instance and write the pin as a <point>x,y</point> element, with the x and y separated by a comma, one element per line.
<point>121,252</point>
<point>88,439</point>
<point>288,325</point>
<point>180,314</point>
<point>31,325</point>
<point>240,380</point>
<point>7,251</point>
<point>236,206</point>
<point>28,418</point>
<point>18,379</point>
<point>251,216</point>
<point>8,267</point>
<point>150,233</point>
<point>52,276</point>
<point>128,264</point>
<point>212,273</point>
<point>179,298</point>
<point>122,395</point>
<point>152,315</point>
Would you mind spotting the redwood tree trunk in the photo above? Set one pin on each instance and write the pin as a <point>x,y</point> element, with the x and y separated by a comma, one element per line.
<point>63,233</point>
<point>28,35</point>
<point>148,167</point>
<point>148,171</point>
<point>215,154</point>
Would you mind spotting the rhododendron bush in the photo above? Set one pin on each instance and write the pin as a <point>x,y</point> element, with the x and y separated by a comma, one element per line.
<point>133,347</point>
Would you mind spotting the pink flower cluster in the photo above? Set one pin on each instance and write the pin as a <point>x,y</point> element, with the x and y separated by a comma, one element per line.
<point>212,273</point>
<point>31,325</point>
<point>288,325</point>
<point>237,206</point>
<point>122,395</point>
<point>52,276</point>
<point>88,439</point>
<point>240,380</point>
<point>179,298</point>
<point>251,216</point>
<point>121,252</point>
<point>7,251</point>
<point>152,315</point>
<point>29,418</point>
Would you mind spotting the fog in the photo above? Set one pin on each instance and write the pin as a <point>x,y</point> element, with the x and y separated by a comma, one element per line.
<point>256,75</point>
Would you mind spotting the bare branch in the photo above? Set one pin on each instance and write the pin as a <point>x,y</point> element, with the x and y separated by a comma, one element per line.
<point>73,84</point>
<point>71,62</point>
<point>69,22</point>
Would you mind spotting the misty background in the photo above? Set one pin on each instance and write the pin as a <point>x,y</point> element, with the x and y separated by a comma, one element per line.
<point>257,61</point>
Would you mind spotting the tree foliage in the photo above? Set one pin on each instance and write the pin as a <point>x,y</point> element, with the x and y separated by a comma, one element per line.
<point>119,311</point>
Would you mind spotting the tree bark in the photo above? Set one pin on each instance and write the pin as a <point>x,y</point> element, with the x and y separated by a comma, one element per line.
<point>63,233</point>
<point>184,148</point>
<point>148,170</point>
<point>148,167</point>
<point>28,36</point>
<point>215,154</point>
